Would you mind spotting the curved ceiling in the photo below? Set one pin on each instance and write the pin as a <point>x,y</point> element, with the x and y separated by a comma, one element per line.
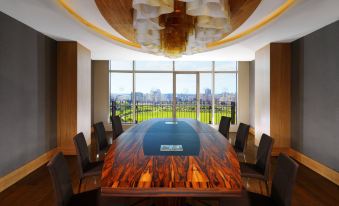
<point>119,14</point>
<point>120,19</point>
<point>51,19</point>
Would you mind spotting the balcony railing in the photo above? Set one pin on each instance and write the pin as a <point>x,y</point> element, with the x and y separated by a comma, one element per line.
<point>164,109</point>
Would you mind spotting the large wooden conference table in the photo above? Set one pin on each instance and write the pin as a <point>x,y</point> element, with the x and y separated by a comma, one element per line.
<point>171,158</point>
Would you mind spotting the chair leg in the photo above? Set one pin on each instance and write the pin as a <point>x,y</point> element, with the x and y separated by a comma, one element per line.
<point>267,188</point>
<point>79,189</point>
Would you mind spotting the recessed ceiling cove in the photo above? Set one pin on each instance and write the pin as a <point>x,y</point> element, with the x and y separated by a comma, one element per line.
<point>173,28</point>
<point>176,27</point>
<point>81,21</point>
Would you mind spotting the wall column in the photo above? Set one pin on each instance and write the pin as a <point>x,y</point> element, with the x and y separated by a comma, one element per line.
<point>273,94</point>
<point>73,94</point>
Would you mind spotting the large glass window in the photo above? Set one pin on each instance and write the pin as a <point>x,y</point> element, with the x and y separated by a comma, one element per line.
<point>226,66</point>
<point>153,95</point>
<point>121,65</point>
<point>193,66</point>
<point>121,89</point>
<point>206,98</point>
<point>143,90</point>
<point>225,96</point>
<point>186,106</point>
<point>153,65</point>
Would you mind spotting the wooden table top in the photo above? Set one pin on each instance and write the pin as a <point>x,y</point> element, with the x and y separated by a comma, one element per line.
<point>209,170</point>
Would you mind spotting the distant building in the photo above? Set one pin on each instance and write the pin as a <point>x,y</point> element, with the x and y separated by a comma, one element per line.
<point>207,96</point>
<point>155,95</point>
<point>208,92</point>
<point>139,96</point>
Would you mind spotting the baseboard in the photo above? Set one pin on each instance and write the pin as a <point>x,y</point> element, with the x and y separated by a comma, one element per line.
<point>16,175</point>
<point>317,167</point>
<point>277,150</point>
<point>67,150</point>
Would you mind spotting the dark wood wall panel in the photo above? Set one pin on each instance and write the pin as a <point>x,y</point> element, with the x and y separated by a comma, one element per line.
<point>280,93</point>
<point>66,95</point>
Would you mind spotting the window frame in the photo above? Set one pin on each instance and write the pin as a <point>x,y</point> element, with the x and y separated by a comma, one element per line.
<point>133,71</point>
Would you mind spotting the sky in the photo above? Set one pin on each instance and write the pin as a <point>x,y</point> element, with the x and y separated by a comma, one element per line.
<point>121,83</point>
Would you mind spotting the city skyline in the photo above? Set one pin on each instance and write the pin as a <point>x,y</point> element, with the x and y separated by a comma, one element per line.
<point>156,95</point>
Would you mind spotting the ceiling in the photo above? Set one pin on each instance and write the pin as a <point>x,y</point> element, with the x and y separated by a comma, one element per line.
<point>119,14</point>
<point>48,17</point>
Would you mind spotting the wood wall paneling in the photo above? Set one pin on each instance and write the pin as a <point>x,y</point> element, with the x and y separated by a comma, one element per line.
<point>66,95</point>
<point>280,94</point>
<point>273,94</point>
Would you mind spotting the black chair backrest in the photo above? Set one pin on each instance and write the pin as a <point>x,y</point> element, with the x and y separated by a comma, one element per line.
<point>61,179</point>
<point>116,126</point>
<point>264,154</point>
<point>242,135</point>
<point>82,152</point>
<point>100,134</point>
<point>284,180</point>
<point>224,126</point>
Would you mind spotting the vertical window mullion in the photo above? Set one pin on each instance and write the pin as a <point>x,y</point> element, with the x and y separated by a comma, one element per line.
<point>198,96</point>
<point>213,92</point>
<point>174,98</point>
<point>109,93</point>
<point>133,94</point>
<point>236,90</point>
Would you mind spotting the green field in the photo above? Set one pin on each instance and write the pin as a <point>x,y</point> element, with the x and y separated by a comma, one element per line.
<point>146,112</point>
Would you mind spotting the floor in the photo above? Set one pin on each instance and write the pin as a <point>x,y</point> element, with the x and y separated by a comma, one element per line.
<point>36,189</point>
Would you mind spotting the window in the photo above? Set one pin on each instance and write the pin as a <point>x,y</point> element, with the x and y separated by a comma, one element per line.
<point>186,97</point>
<point>225,96</point>
<point>121,89</point>
<point>225,66</point>
<point>143,90</point>
<point>206,98</point>
<point>193,66</point>
<point>153,65</point>
<point>153,95</point>
<point>121,65</point>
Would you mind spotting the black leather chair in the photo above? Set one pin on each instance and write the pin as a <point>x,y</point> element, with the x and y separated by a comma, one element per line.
<point>282,184</point>
<point>282,187</point>
<point>87,168</point>
<point>100,135</point>
<point>224,126</point>
<point>116,126</point>
<point>241,139</point>
<point>62,185</point>
<point>260,170</point>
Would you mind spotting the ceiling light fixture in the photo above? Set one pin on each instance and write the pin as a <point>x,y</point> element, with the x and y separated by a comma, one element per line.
<point>176,27</point>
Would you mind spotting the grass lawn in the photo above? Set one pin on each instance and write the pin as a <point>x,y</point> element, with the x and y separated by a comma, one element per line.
<point>148,112</point>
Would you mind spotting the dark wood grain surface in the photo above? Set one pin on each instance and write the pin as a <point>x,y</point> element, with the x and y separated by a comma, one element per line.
<point>35,189</point>
<point>128,172</point>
